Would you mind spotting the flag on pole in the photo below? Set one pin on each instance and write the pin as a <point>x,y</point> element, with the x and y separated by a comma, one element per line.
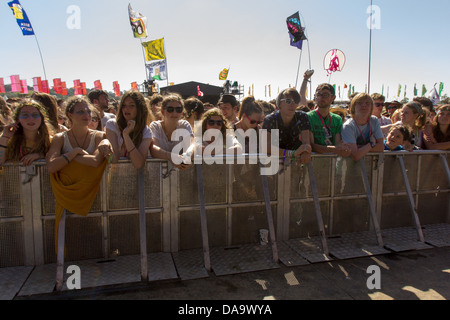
<point>134,86</point>
<point>83,88</point>
<point>399,90</point>
<point>441,87</point>
<point>21,18</point>
<point>199,92</point>
<point>77,87</point>
<point>157,70</point>
<point>24,86</point>
<point>15,84</point>
<point>223,74</point>
<point>138,23</point>
<point>296,31</point>
<point>45,87</point>
<point>116,88</point>
<point>154,50</point>
<point>57,86</point>
<point>37,84</point>
<point>63,88</point>
<point>98,85</point>
<point>424,90</point>
<point>415,90</point>
<point>435,96</point>
<point>2,86</point>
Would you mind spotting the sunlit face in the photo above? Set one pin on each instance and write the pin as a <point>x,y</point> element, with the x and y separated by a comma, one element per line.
<point>443,117</point>
<point>81,113</point>
<point>288,105</point>
<point>30,118</point>
<point>377,107</point>
<point>407,115</point>
<point>227,110</point>
<point>214,122</point>
<point>363,107</point>
<point>173,111</point>
<point>252,121</point>
<point>395,138</point>
<point>324,98</point>
<point>129,109</point>
<point>94,122</point>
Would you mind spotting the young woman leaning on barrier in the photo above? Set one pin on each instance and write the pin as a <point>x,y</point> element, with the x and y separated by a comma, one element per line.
<point>438,137</point>
<point>28,138</point>
<point>129,134</point>
<point>80,144</point>
<point>362,132</point>
<point>250,119</point>
<point>171,123</point>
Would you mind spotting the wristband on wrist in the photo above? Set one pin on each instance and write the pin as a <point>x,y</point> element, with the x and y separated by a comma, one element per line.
<point>284,155</point>
<point>66,157</point>
<point>293,155</point>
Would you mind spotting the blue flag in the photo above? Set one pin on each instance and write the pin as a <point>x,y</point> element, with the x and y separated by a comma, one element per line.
<point>21,17</point>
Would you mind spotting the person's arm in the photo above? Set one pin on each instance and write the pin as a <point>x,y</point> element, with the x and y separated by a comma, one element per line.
<point>304,86</point>
<point>7,133</point>
<point>341,149</point>
<point>55,160</point>
<point>358,152</point>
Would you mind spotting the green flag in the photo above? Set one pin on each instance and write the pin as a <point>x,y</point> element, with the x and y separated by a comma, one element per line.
<point>415,90</point>
<point>441,87</point>
<point>424,90</point>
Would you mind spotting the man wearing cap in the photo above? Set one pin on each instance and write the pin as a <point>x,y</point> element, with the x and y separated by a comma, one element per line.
<point>229,107</point>
<point>392,106</point>
<point>326,126</point>
<point>293,126</point>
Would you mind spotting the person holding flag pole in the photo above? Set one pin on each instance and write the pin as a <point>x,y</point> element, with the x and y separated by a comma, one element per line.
<point>25,25</point>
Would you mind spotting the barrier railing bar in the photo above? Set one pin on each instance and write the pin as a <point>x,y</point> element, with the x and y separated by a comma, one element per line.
<point>142,225</point>
<point>60,252</point>
<point>371,204</point>
<point>447,170</point>
<point>269,215</point>
<point>319,218</point>
<point>203,219</point>
<point>411,200</point>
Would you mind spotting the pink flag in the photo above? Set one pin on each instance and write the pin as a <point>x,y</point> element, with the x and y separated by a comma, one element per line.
<point>45,87</point>
<point>15,84</point>
<point>199,92</point>
<point>24,85</point>
<point>37,84</point>
<point>2,86</point>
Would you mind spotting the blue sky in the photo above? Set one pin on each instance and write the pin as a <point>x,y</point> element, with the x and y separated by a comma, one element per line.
<point>204,36</point>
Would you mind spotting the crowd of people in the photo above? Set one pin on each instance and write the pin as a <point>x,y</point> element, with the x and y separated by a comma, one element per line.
<point>92,129</point>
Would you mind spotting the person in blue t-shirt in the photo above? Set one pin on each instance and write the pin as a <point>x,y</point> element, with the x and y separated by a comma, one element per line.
<point>397,136</point>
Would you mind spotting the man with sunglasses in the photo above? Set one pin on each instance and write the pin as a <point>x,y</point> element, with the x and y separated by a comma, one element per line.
<point>378,105</point>
<point>326,126</point>
<point>293,126</point>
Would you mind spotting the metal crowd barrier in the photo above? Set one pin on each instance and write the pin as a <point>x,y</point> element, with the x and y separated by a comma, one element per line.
<point>315,210</point>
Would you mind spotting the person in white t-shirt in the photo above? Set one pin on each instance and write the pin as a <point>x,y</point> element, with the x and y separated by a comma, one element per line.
<point>129,135</point>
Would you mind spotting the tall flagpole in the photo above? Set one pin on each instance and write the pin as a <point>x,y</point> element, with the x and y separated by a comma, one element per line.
<point>145,64</point>
<point>370,46</point>
<point>167,65</point>
<point>40,53</point>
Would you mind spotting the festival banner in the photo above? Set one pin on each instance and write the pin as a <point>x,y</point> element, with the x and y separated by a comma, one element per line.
<point>223,74</point>
<point>63,88</point>
<point>57,86</point>
<point>415,90</point>
<point>78,90</point>
<point>21,18</point>
<point>296,31</point>
<point>116,88</point>
<point>2,86</point>
<point>37,84</point>
<point>15,84</point>
<point>98,85</point>
<point>134,86</point>
<point>138,23</point>
<point>83,88</point>
<point>24,86</point>
<point>441,87</point>
<point>154,50</point>
<point>157,70</point>
<point>424,90</point>
<point>45,86</point>
<point>199,92</point>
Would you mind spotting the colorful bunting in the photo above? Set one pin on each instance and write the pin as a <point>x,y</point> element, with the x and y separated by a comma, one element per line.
<point>15,84</point>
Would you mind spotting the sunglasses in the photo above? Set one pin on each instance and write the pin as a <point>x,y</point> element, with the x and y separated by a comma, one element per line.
<point>176,109</point>
<point>26,116</point>
<point>212,122</point>
<point>81,112</point>
<point>288,100</point>
<point>94,119</point>
<point>252,121</point>
<point>378,104</point>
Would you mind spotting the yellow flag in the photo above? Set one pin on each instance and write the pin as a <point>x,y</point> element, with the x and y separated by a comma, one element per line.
<point>223,74</point>
<point>154,50</point>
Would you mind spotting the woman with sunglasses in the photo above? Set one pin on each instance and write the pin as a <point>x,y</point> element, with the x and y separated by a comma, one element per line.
<point>214,120</point>
<point>96,123</point>
<point>250,119</point>
<point>129,134</point>
<point>28,138</point>
<point>162,131</point>
<point>80,144</point>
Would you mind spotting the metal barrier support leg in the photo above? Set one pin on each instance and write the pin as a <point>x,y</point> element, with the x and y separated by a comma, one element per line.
<point>265,186</point>
<point>319,218</point>
<point>60,252</point>
<point>203,220</point>
<point>371,204</point>
<point>447,170</point>
<point>142,225</point>
<point>411,200</point>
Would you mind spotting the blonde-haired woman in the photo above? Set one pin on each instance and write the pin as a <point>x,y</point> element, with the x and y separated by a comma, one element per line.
<point>362,132</point>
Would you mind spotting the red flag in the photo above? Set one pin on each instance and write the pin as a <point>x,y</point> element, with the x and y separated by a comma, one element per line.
<point>15,84</point>
<point>98,85</point>
<point>2,86</point>
<point>37,84</point>
<point>45,87</point>
<point>63,88</point>
<point>83,88</point>
<point>24,85</point>
<point>199,92</point>
<point>77,87</point>
<point>134,86</point>
<point>57,86</point>
<point>116,88</point>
